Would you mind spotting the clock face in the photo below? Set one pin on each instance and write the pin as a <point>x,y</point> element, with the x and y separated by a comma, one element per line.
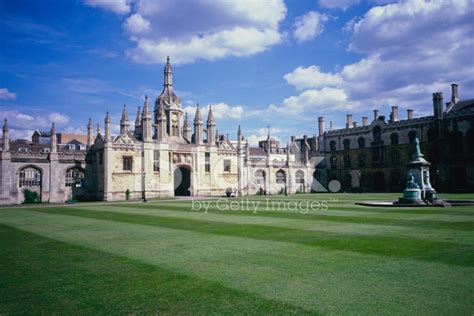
<point>174,117</point>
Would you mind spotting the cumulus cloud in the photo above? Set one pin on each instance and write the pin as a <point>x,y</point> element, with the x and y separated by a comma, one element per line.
<point>136,24</point>
<point>220,110</point>
<point>116,6</point>
<point>262,134</point>
<point>407,53</point>
<point>311,77</point>
<point>212,30</point>
<point>338,4</point>
<point>309,26</point>
<point>7,95</point>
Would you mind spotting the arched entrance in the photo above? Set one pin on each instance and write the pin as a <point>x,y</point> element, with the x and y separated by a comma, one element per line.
<point>379,181</point>
<point>30,180</point>
<point>182,181</point>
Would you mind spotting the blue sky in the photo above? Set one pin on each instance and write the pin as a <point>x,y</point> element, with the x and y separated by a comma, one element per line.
<point>261,62</point>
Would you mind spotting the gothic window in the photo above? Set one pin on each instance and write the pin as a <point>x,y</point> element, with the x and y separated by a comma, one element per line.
<point>207,165</point>
<point>127,163</point>
<point>299,177</point>
<point>74,177</point>
<point>280,176</point>
<point>174,130</point>
<point>260,177</point>
<point>394,139</point>
<point>29,177</point>
<point>226,165</point>
<point>347,161</point>
<point>347,144</point>
<point>411,137</point>
<point>332,145</point>
<point>333,161</point>
<point>395,157</point>
<point>362,160</point>
<point>361,142</point>
<point>377,133</point>
<point>156,160</point>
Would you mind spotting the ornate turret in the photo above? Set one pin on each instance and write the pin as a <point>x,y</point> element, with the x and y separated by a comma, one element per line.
<point>108,135</point>
<point>186,128</point>
<point>5,138</point>
<point>247,150</point>
<point>54,140</point>
<point>90,133</point>
<point>138,124</point>
<point>124,124</point>
<point>99,132</point>
<point>146,121</point>
<point>288,154</point>
<point>211,127</point>
<point>269,142</point>
<point>239,141</point>
<point>198,129</point>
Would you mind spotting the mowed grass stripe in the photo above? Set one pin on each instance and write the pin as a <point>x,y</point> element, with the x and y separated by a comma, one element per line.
<point>308,277</point>
<point>246,218</point>
<point>391,246</point>
<point>454,222</point>
<point>46,276</point>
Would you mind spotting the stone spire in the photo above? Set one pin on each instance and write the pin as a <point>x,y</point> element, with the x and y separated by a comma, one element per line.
<point>239,140</point>
<point>138,119</point>
<point>90,133</point>
<point>54,141</point>
<point>124,124</point>
<point>98,129</point>
<point>247,150</point>
<point>211,127</point>
<point>198,129</point>
<point>186,128</point>
<point>6,140</point>
<point>287,153</point>
<point>269,142</point>
<point>108,136</point>
<point>146,121</point>
<point>168,71</point>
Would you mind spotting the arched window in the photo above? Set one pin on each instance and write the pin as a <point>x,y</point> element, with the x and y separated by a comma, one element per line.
<point>74,177</point>
<point>332,145</point>
<point>347,144</point>
<point>280,176</point>
<point>362,160</point>
<point>347,161</point>
<point>299,177</point>
<point>470,140</point>
<point>29,177</point>
<point>394,139</point>
<point>361,142</point>
<point>411,136</point>
<point>260,177</point>
<point>333,161</point>
<point>377,132</point>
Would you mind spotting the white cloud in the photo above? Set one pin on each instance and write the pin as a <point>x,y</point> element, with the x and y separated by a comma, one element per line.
<point>136,24</point>
<point>309,26</point>
<point>338,4</point>
<point>220,111</point>
<point>7,95</point>
<point>58,118</point>
<point>312,77</point>
<point>209,30</point>
<point>116,6</point>
<point>262,134</point>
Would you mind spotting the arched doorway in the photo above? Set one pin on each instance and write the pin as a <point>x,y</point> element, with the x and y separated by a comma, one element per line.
<point>30,178</point>
<point>182,181</point>
<point>299,179</point>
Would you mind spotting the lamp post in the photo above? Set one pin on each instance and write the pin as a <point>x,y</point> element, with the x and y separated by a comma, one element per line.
<point>143,186</point>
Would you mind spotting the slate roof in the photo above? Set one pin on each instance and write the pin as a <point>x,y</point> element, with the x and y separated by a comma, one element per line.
<point>462,105</point>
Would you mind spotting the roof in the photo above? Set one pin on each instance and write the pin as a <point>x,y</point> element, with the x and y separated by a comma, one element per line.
<point>462,105</point>
<point>257,151</point>
<point>67,138</point>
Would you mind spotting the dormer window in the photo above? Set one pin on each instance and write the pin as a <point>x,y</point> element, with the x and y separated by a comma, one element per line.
<point>22,150</point>
<point>47,150</point>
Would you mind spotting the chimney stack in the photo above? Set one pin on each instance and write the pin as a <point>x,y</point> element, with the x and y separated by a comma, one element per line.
<point>409,114</point>
<point>330,125</point>
<point>376,114</point>
<point>365,121</point>
<point>349,121</point>
<point>394,114</point>
<point>321,125</point>
<point>438,105</point>
<point>454,93</point>
<point>354,124</point>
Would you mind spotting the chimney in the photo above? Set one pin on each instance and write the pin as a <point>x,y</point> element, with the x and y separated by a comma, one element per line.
<point>330,125</point>
<point>354,124</point>
<point>365,121</point>
<point>438,105</point>
<point>454,93</point>
<point>321,125</point>
<point>394,114</point>
<point>409,114</point>
<point>349,121</point>
<point>376,114</point>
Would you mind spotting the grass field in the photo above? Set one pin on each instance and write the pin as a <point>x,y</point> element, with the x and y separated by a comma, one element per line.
<point>168,257</point>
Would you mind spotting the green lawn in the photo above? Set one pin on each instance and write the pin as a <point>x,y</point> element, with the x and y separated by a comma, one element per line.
<point>164,257</point>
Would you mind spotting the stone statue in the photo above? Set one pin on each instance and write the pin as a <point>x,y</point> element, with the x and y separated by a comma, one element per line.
<point>418,153</point>
<point>411,183</point>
